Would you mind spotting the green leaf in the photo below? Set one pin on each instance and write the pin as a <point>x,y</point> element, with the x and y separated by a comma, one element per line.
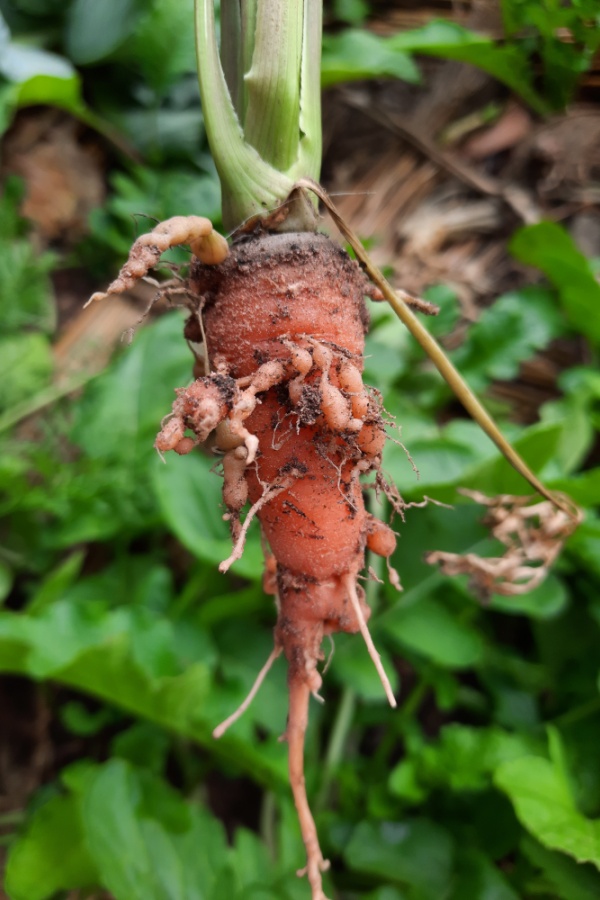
<point>25,287</point>
<point>415,853</point>
<point>478,878</point>
<point>352,667</point>
<point>121,410</point>
<point>79,720</point>
<point>56,583</point>
<point>6,581</point>
<point>128,658</point>
<point>584,489</point>
<point>537,445</point>
<point>543,802</point>
<point>508,333</point>
<point>160,133</point>
<point>95,30</point>
<point>464,758</point>
<point>143,745</point>
<point>432,630</point>
<point>147,843</point>
<point>546,601</point>
<point>51,855</point>
<point>162,45</point>
<point>26,366</point>
<point>189,495</point>
<point>48,90</point>
<point>449,40</point>
<point>356,55</point>
<point>156,193</point>
<point>566,878</point>
<point>548,247</point>
<point>375,56</point>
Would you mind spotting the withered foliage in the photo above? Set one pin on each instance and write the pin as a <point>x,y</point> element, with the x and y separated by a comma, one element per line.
<point>533,534</point>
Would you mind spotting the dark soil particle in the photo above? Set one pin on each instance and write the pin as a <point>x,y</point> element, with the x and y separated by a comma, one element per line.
<point>226,386</point>
<point>294,465</point>
<point>291,507</point>
<point>309,408</point>
<point>261,357</point>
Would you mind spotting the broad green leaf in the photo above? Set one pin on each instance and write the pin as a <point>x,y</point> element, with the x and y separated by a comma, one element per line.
<point>163,43</point>
<point>167,133</point>
<point>121,411</point>
<point>189,495</point>
<point>6,580</point>
<point>432,630</point>
<point>478,878</point>
<point>148,844</point>
<point>537,446</point>
<point>26,366</point>
<point>48,90</point>
<point>121,658</point>
<point>57,582</point>
<point>566,878</point>
<point>508,333</point>
<point>464,758</point>
<point>546,601</point>
<point>548,247</point>
<point>415,853</point>
<point>584,488</point>
<point>449,40</point>
<point>25,287</point>
<point>356,55</point>
<point>143,745</point>
<point>543,802</point>
<point>51,855</point>
<point>585,542</point>
<point>439,461</point>
<point>243,651</point>
<point>352,667</point>
<point>95,30</point>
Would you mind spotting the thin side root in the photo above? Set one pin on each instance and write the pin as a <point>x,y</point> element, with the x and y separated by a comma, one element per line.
<point>238,548</point>
<point>222,728</point>
<point>369,640</point>
<point>295,733</point>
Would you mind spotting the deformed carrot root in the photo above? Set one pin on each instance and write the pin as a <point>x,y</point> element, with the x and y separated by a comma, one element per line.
<point>281,320</point>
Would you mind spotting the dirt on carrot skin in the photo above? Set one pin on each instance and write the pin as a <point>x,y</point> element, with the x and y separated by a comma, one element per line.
<point>278,329</point>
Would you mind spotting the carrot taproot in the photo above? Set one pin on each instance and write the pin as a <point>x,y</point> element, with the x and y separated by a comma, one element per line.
<point>282,321</point>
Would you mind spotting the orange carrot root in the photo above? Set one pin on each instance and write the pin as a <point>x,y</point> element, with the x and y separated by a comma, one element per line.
<point>281,319</point>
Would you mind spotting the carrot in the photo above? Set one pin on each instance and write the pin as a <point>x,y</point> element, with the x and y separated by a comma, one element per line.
<point>282,322</point>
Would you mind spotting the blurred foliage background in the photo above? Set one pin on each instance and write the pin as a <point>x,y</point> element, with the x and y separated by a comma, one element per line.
<point>121,646</point>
